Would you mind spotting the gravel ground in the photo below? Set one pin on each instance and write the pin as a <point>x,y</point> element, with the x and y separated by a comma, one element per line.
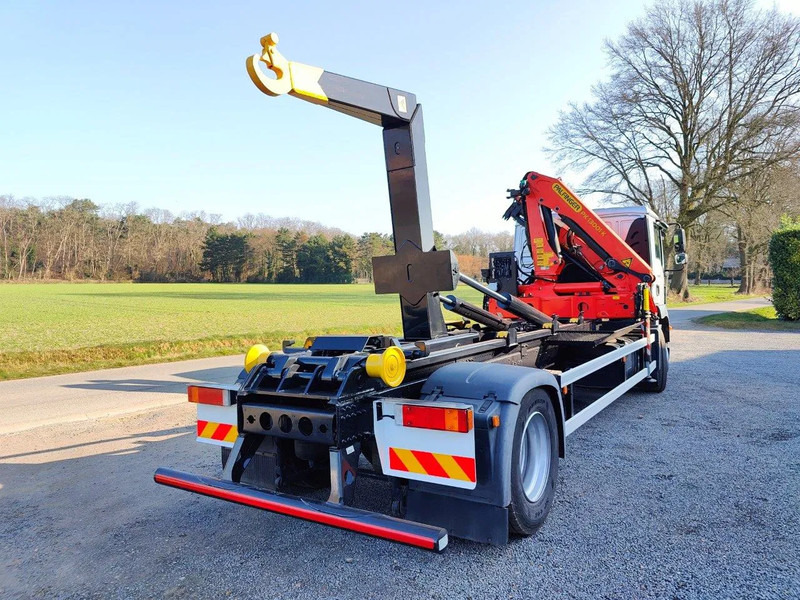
<point>694,493</point>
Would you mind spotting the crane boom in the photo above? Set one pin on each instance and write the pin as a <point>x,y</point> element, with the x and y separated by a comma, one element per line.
<point>581,267</point>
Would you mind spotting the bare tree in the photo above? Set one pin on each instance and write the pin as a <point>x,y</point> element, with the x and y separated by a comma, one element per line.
<point>762,199</point>
<point>701,95</point>
<point>27,225</point>
<point>710,237</point>
<point>476,242</point>
<point>8,213</point>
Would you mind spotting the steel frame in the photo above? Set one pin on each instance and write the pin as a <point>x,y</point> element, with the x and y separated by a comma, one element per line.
<point>577,373</point>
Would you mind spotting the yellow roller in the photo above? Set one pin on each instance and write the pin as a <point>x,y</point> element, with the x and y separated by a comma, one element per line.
<point>390,366</point>
<point>256,355</point>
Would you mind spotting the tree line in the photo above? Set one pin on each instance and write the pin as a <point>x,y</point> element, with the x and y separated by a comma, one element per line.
<point>75,239</point>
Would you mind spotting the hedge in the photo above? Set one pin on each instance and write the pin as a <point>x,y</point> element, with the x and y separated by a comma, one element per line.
<point>784,258</point>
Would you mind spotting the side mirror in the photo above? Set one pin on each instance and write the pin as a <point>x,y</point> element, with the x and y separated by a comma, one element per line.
<point>679,239</point>
<point>680,258</point>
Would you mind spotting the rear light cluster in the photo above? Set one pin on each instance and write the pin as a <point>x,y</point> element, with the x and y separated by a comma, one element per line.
<point>444,419</point>
<point>210,395</point>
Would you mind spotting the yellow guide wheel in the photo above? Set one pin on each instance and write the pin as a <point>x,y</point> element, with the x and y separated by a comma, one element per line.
<point>255,356</point>
<point>390,366</point>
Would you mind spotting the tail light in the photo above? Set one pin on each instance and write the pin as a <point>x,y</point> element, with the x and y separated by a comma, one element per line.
<point>433,417</point>
<point>200,394</point>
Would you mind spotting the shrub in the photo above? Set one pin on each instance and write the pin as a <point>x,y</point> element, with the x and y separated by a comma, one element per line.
<point>784,258</point>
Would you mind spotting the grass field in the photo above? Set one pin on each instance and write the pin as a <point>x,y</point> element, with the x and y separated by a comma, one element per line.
<point>65,327</point>
<point>56,328</point>
<point>704,294</point>
<point>758,318</point>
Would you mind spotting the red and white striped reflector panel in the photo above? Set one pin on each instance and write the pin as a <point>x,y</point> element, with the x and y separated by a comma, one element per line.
<point>442,419</point>
<point>425,442</point>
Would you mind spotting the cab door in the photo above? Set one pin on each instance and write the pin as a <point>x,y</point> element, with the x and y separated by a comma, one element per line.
<point>658,264</point>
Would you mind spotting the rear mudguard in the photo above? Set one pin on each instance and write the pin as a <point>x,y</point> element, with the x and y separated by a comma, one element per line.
<point>493,390</point>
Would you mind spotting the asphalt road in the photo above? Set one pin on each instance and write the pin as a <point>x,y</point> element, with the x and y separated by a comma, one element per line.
<point>30,403</point>
<point>694,493</point>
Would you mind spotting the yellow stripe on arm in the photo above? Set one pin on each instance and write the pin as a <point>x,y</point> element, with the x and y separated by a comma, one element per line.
<point>305,81</point>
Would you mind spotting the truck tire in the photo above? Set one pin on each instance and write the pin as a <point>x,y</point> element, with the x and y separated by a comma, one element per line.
<point>534,463</point>
<point>657,382</point>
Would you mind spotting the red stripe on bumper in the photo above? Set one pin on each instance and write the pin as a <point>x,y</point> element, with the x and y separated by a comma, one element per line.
<point>434,539</point>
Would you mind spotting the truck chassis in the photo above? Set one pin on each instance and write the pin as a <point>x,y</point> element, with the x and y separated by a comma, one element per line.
<point>465,420</point>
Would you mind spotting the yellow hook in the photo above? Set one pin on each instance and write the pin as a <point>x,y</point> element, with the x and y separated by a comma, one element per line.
<point>290,77</point>
<point>275,61</point>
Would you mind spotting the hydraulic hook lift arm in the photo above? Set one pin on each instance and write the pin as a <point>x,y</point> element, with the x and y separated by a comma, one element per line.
<point>417,269</point>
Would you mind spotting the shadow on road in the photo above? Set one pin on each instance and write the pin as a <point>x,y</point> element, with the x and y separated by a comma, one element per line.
<point>130,385</point>
<point>215,375</point>
<point>164,386</point>
<point>136,439</point>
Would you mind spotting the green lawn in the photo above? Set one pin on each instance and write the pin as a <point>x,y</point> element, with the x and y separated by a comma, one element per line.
<point>64,327</point>
<point>758,318</point>
<point>704,294</point>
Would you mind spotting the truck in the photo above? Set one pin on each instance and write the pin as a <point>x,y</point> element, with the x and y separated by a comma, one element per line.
<point>461,422</point>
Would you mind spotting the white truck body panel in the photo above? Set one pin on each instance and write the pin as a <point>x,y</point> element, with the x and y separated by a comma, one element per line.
<point>418,449</point>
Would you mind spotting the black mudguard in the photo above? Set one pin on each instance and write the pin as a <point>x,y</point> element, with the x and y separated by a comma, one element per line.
<point>493,390</point>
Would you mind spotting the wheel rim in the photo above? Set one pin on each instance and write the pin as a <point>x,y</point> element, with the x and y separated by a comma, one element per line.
<point>534,460</point>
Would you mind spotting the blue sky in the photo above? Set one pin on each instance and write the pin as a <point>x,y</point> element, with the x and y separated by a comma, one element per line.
<point>150,102</point>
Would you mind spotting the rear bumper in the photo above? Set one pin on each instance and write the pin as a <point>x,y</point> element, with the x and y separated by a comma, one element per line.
<point>344,517</point>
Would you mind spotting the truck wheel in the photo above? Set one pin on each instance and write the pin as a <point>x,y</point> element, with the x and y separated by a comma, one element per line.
<point>534,464</point>
<point>658,378</point>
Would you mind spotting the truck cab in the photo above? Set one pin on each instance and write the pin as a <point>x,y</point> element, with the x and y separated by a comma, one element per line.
<point>643,231</point>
